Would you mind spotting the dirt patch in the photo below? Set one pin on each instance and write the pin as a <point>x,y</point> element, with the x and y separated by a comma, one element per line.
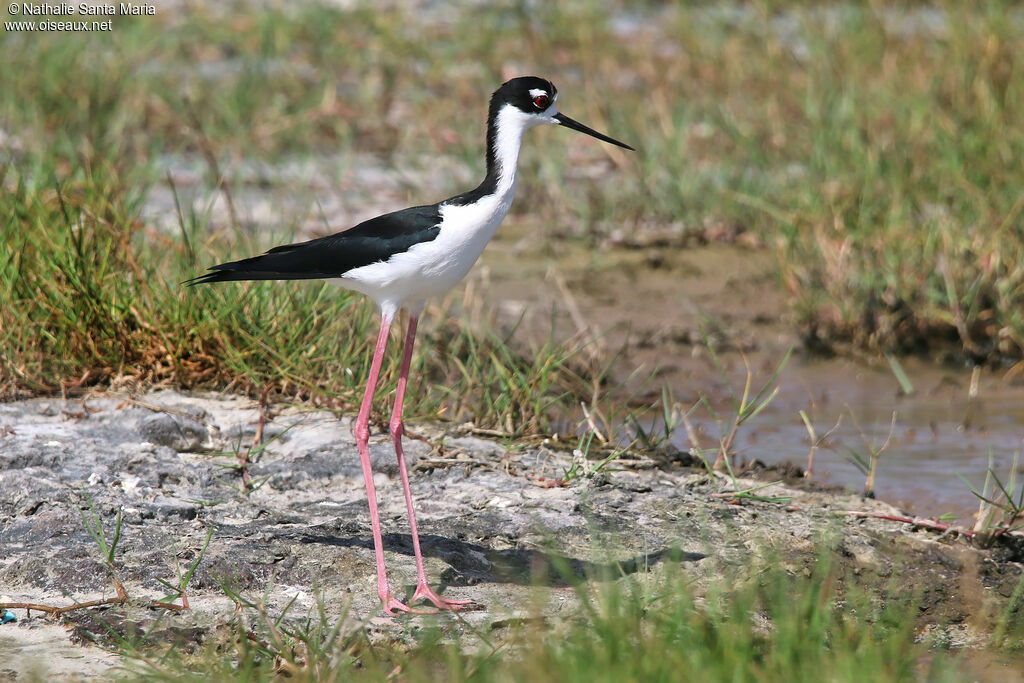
<point>653,300</point>
<point>497,524</point>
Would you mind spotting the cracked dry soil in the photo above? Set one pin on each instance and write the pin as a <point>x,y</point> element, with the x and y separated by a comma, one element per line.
<point>494,528</point>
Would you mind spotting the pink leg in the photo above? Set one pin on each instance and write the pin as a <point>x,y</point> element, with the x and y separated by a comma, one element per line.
<point>397,429</point>
<point>362,431</point>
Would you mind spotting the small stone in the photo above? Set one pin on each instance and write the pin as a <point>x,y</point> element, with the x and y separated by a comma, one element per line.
<point>175,431</point>
<point>169,508</point>
<point>129,483</point>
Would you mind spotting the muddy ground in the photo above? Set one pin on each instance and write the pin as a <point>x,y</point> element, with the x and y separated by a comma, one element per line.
<point>497,521</point>
<point>652,301</point>
<point>651,295</point>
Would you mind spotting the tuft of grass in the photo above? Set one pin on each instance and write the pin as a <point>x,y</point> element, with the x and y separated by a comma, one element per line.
<point>778,628</point>
<point>480,376</point>
<point>884,160</point>
<point>94,525</point>
<point>745,406</point>
<point>581,467</point>
<point>868,465</point>
<point>1000,505</point>
<point>180,588</point>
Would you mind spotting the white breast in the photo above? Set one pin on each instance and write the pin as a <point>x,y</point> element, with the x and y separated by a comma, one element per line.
<point>432,268</point>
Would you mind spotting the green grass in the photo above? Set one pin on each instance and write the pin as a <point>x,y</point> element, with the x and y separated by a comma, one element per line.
<point>655,627</point>
<point>95,293</point>
<point>96,297</point>
<point>881,165</point>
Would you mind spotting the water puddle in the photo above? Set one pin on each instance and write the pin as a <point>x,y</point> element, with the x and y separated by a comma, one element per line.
<point>934,436</point>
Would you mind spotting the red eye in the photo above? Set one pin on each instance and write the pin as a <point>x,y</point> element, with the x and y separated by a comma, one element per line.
<point>541,101</point>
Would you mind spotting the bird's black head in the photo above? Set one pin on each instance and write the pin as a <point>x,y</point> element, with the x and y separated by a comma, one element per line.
<point>528,94</point>
<point>533,102</point>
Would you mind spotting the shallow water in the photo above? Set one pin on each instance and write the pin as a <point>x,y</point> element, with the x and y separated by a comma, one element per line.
<point>939,433</point>
<point>659,312</point>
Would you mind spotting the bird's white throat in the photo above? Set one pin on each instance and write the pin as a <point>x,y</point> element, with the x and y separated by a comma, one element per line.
<point>510,125</point>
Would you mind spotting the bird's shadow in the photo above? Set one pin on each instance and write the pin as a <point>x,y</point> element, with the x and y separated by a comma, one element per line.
<point>471,563</point>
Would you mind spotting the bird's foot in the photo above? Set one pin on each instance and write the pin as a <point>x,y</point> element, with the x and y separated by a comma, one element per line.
<point>424,591</point>
<point>393,607</point>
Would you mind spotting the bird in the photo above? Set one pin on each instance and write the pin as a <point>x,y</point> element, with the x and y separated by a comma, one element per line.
<point>401,259</point>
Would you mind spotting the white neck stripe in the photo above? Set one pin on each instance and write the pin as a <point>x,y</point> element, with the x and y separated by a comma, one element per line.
<point>510,125</point>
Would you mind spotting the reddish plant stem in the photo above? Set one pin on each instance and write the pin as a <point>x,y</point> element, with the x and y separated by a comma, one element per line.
<point>243,457</point>
<point>122,598</point>
<point>919,522</point>
<point>57,611</point>
<point>915,521</point>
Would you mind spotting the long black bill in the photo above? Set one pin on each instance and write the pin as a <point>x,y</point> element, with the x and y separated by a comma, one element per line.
<point>576,125</point>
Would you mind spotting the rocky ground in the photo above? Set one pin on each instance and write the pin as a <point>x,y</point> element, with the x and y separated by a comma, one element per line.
<point>499,522</point>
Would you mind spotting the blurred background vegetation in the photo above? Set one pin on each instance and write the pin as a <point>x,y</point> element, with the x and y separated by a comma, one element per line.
<point>874,148</point>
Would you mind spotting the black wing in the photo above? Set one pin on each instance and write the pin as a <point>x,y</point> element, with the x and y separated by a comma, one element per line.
<point>377,239</point>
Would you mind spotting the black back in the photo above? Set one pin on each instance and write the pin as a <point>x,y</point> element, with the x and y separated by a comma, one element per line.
<point>376,239</point>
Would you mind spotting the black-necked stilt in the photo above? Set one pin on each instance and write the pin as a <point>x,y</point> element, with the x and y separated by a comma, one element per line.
<point>402,258</point>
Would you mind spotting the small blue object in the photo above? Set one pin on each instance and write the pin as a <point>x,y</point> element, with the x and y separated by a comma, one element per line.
<point>7,616</point>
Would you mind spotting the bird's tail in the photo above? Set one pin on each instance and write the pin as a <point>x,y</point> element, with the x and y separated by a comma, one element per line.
<point>274,265</point>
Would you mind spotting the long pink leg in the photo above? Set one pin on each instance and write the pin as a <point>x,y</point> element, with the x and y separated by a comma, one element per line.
<point>397,430</point>
<point>362,431</point>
